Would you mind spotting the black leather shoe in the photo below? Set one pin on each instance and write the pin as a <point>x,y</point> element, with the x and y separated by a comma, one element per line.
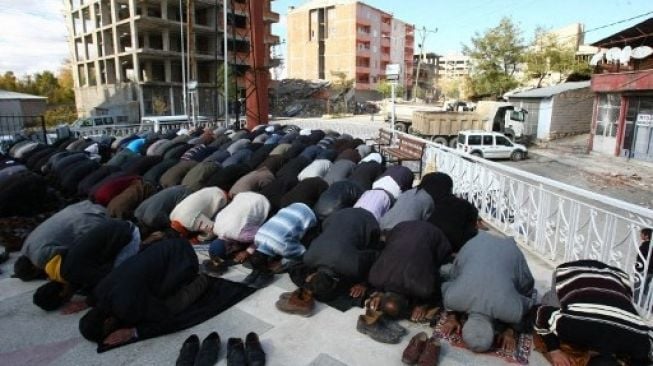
<point>236,352</point>
<point>208,354</point>
<point>253,350</point>
<point>262,280</point>
<point>188,351</point>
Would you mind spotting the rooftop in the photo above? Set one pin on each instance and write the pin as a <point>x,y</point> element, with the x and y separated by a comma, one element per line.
<point>10,95</point>
<point>550,91</point>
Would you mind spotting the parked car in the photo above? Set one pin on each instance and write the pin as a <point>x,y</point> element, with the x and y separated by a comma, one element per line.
<point>490,145</point>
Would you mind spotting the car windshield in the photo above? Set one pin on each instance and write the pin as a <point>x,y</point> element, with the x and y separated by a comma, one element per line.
<point>461,139</point>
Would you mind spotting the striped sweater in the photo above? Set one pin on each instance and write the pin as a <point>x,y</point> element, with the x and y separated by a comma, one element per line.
<point>596,311</point>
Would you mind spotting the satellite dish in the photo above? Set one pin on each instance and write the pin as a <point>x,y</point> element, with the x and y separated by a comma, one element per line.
<point>641,52</point>
<point>597,58</point>
<point>614,54</point>
<point>624,57</point>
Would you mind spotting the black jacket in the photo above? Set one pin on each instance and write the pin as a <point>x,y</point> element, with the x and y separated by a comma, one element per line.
<point>339,195</point>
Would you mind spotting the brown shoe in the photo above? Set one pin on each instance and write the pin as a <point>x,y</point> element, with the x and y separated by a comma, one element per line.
<point>431,354</point>
<point>414,349</point>
<point>298,303</point>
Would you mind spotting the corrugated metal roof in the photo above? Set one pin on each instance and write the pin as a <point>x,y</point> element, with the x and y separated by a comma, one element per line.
<point>550,91</point>
<point>8,95</point>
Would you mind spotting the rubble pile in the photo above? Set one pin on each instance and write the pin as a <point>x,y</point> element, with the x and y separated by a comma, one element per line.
<point>300,98</point>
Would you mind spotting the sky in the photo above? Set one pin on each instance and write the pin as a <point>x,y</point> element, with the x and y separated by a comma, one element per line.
<point>33,34</point>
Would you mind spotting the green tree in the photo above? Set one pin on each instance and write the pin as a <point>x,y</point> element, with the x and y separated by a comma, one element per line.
<point>495,56</point>
<point>549,56</point>
<point>8,81</point>
<point>385,89</point>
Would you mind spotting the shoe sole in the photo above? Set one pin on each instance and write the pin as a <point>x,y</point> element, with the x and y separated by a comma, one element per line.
<point>293,311</point>
<point>368,333</point>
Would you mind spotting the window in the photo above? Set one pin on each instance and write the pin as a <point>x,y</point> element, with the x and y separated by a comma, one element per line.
<point>488,140</point>
<point>518,116</point>
<point>607,116</point>
<point>474,140</point>
<point>502,141</point>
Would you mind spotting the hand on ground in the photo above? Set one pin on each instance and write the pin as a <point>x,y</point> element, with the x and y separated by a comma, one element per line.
<point>375,301</point>
<point>419,314</point>
<point>507,341</point>
<point>120,336</point>
<point>73,307</point>
<point>241,257</point>
<point>451,326</point>
<point>357,291</point>
<point>559,358</point>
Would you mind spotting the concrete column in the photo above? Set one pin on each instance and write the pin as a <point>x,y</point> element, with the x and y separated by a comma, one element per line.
<point>171,102</point>
<point>135,58</point>
<point>168,70</point>
<point>164,9</point>
<point>116,44</point>
<point>165,35</point>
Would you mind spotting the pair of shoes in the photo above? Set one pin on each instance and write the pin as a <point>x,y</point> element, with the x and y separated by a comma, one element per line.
<point>422,351</point>
<point>192,354</point>
<point>258,279</point>
<point>377,329</point>
<point>249,353</point>
<point>298,302</point>
<point>214,267</point>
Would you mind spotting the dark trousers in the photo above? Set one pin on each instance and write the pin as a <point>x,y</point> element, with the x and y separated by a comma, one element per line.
<point>187,295</point>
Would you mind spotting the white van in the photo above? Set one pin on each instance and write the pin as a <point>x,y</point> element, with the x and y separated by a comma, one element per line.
<point>490,145</point>
<point>157,121</point>
<point>99,121</point>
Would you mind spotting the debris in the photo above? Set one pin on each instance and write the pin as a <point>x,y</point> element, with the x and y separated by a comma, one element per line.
<point>300,98</point>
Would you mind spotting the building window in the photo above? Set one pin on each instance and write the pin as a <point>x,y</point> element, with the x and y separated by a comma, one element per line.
<point>607,116</point>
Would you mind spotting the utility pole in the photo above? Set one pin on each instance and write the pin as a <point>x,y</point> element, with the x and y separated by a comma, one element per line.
<point>225,63</point>
<point>424,33</point>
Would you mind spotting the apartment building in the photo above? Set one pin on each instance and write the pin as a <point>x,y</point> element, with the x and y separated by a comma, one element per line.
<point>327,36</point>
<point>127,54</point>
<point>454,65</point>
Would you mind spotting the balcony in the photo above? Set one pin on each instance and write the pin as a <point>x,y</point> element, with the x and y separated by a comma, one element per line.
<point>363,36</point>
<point>272,39</point>
<point>622,81</point>
<point>270,17</point>
<point>362,69</point>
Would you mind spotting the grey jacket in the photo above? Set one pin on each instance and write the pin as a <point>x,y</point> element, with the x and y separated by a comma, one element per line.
<point>414,204</point>
<point>490,276</point>
<point>61,231</point>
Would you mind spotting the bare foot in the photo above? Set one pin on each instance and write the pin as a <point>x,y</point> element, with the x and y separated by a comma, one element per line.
<point>73,307</point>
<point>451,326</point>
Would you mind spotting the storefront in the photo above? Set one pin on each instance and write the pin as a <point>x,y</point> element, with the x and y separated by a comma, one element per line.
<point>622,123</point>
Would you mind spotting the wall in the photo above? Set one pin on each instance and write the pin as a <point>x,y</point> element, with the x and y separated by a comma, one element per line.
<point>119,99</point>
<point>572,113</point>
<point>340,44</point>
<point>302,54</point>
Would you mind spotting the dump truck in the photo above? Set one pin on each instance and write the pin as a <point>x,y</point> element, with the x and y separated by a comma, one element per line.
<point>443,127</point>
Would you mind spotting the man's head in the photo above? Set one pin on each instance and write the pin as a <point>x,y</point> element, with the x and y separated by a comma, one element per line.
<point>645,234</point>
<point>478,332</point>
<point>322,284</point>
<point>25,270</point>
<point>96,325</point>
<point>394,304</point>
<point>50,296</point>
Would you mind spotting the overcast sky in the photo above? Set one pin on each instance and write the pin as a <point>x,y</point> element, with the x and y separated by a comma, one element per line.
<point>33,32</point>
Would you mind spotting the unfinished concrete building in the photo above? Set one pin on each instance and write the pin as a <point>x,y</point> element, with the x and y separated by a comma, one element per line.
<point>127,54</point>
<point>351,37</point>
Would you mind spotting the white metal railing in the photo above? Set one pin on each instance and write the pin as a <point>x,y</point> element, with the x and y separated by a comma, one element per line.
<point>128,129</point>
<point>555,221</point>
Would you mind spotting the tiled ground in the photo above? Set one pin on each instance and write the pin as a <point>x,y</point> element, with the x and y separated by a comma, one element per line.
<point>29,336</point>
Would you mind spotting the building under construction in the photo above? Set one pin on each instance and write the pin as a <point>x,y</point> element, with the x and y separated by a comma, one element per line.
<point>141,57</point>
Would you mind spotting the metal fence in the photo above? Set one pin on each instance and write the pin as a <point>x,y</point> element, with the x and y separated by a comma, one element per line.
<point>12,127</point>
<point>555,221</point>
<point>128,129</point>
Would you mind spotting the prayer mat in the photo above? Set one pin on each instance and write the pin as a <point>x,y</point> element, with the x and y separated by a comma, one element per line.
<point>519,357</point>
<point>219,296</point>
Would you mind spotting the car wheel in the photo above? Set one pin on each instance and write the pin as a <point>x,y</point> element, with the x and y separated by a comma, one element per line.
<point>440,140</point>
<point>453,143</point>
<point>517,155</point>
<point>477,154</point>
<point>411,130</point>
<point>400,127</point>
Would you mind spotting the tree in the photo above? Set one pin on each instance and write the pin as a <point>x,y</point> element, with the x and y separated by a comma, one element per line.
<point>495,56</point>
<point>385,89</point>
<point>159,105</point>
<point>450,88</point>
<point>550,57</point>
<point>232,85</point>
